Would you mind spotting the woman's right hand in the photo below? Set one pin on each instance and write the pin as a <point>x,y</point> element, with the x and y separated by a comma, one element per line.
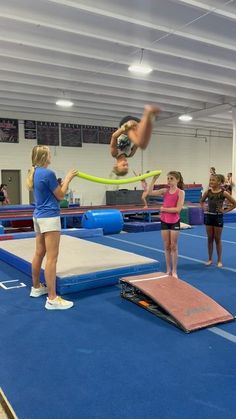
<point>70,175</point>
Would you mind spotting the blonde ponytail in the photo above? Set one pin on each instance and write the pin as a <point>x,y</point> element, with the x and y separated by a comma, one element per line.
<point>30,178</point>
<point>39,157</point>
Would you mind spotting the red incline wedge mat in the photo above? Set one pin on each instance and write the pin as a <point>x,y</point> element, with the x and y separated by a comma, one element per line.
<point>175,300</point>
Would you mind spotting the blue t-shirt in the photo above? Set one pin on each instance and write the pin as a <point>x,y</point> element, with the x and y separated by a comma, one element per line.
<point>46,204</point>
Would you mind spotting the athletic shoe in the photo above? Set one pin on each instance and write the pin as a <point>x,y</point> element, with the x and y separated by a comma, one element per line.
<point>37,292</point>
<point>208,263</point>
<point>58,304</point>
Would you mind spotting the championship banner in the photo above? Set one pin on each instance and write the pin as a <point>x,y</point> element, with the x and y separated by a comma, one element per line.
<point>71,135</point>
<point>9,131</point>
<point>30,130</point>
<point>47,133</point>
<point>89,134</point>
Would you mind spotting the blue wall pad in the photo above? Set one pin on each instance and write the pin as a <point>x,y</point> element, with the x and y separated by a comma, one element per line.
<point>138,226</point>
<point>81,265</point>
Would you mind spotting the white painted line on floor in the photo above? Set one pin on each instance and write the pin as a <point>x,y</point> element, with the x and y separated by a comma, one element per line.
<point>225,268</point>
<point>204,237</point>
<point>223,334</point>
<point>193,235</point>
<point>6,288</point>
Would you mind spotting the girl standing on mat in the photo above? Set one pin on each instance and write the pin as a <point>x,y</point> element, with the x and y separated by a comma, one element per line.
<point>132,134</point>
<point>173,201</point>
<point>47,224</point>
<point>213,217</point>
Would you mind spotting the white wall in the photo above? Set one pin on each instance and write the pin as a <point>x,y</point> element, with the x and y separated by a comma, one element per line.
<point>192,156</point>
<point>168,150</point>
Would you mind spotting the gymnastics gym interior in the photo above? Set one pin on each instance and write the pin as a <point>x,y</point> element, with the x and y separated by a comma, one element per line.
<point>138,342</point>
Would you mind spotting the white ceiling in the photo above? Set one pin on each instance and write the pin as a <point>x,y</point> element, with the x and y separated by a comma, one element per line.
<point>81,49</point>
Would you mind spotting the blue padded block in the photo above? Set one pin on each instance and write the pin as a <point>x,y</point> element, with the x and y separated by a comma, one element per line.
<point>83,282</point>
<point>21,264</point>
<point>139,226</point>
<point>152,226</point>
<point>76,232</point>
<point>102,278</point>
<point>134,227</point>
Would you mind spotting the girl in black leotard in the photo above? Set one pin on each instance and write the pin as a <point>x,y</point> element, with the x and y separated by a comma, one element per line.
<point>213,217</point>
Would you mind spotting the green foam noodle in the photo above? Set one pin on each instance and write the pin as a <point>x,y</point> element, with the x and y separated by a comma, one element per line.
<point>105,181</point>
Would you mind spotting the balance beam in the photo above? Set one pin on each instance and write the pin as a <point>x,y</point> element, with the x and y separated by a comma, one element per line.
<point>174,300</point>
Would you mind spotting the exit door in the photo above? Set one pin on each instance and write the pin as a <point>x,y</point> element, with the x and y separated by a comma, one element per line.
<point>12,178</point>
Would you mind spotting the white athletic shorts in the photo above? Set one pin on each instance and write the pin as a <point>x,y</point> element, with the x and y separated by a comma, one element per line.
<point>44,225</point>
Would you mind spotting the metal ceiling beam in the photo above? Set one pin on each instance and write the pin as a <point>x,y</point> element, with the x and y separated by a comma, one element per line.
<point>61,71</point>
<point>123,18</point>
<point>173,69</point>
<point>219,10</point>
<point>183,54</point>
<point>198,114</point>
<point>43,94</point>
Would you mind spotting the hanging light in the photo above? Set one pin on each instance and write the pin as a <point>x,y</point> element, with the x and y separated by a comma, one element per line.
<point>140,68</point>
<point>185,118</point>
<point>64,103</point>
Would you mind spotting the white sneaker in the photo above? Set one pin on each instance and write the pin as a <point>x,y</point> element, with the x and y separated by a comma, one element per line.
<point>37,292</point>
<point>58,304</point>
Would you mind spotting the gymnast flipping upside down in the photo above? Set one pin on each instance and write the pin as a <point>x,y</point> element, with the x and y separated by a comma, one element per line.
<point>132,134</point>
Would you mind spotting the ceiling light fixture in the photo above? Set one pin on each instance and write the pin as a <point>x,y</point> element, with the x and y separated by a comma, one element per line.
<point>185,118</point>
<point>140,68</point>
<point>64,103</point>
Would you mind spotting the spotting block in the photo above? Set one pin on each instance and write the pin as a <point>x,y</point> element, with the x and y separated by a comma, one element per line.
<point>174,300</point>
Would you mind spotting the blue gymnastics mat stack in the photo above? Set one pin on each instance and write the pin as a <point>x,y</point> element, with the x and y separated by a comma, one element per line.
<point>139,226</point>
<point>193,194</point>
